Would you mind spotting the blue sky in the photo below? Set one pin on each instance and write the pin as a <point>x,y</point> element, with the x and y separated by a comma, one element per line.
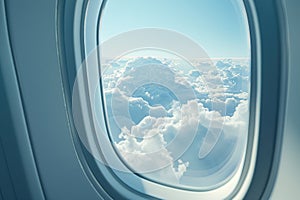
<point>219,27</point>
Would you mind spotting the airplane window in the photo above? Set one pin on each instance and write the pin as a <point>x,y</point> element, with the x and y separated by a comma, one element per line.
<point>177,120</point>
<point>174,90</point>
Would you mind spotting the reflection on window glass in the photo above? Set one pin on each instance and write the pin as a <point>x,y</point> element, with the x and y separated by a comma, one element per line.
<point>178,121</point>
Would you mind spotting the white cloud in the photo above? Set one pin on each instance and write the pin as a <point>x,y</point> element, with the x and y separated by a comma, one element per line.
<point>154,145</point>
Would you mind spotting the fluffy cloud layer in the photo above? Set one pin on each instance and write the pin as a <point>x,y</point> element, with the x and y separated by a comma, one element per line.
<point>176,123</point>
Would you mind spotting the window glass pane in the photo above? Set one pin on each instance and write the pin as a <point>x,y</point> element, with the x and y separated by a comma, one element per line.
<point>176,88</point>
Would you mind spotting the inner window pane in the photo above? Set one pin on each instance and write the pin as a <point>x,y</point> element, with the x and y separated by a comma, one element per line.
<point>178,120</point>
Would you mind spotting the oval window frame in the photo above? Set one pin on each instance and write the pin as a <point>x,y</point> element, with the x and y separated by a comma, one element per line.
<point>257,104</point>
